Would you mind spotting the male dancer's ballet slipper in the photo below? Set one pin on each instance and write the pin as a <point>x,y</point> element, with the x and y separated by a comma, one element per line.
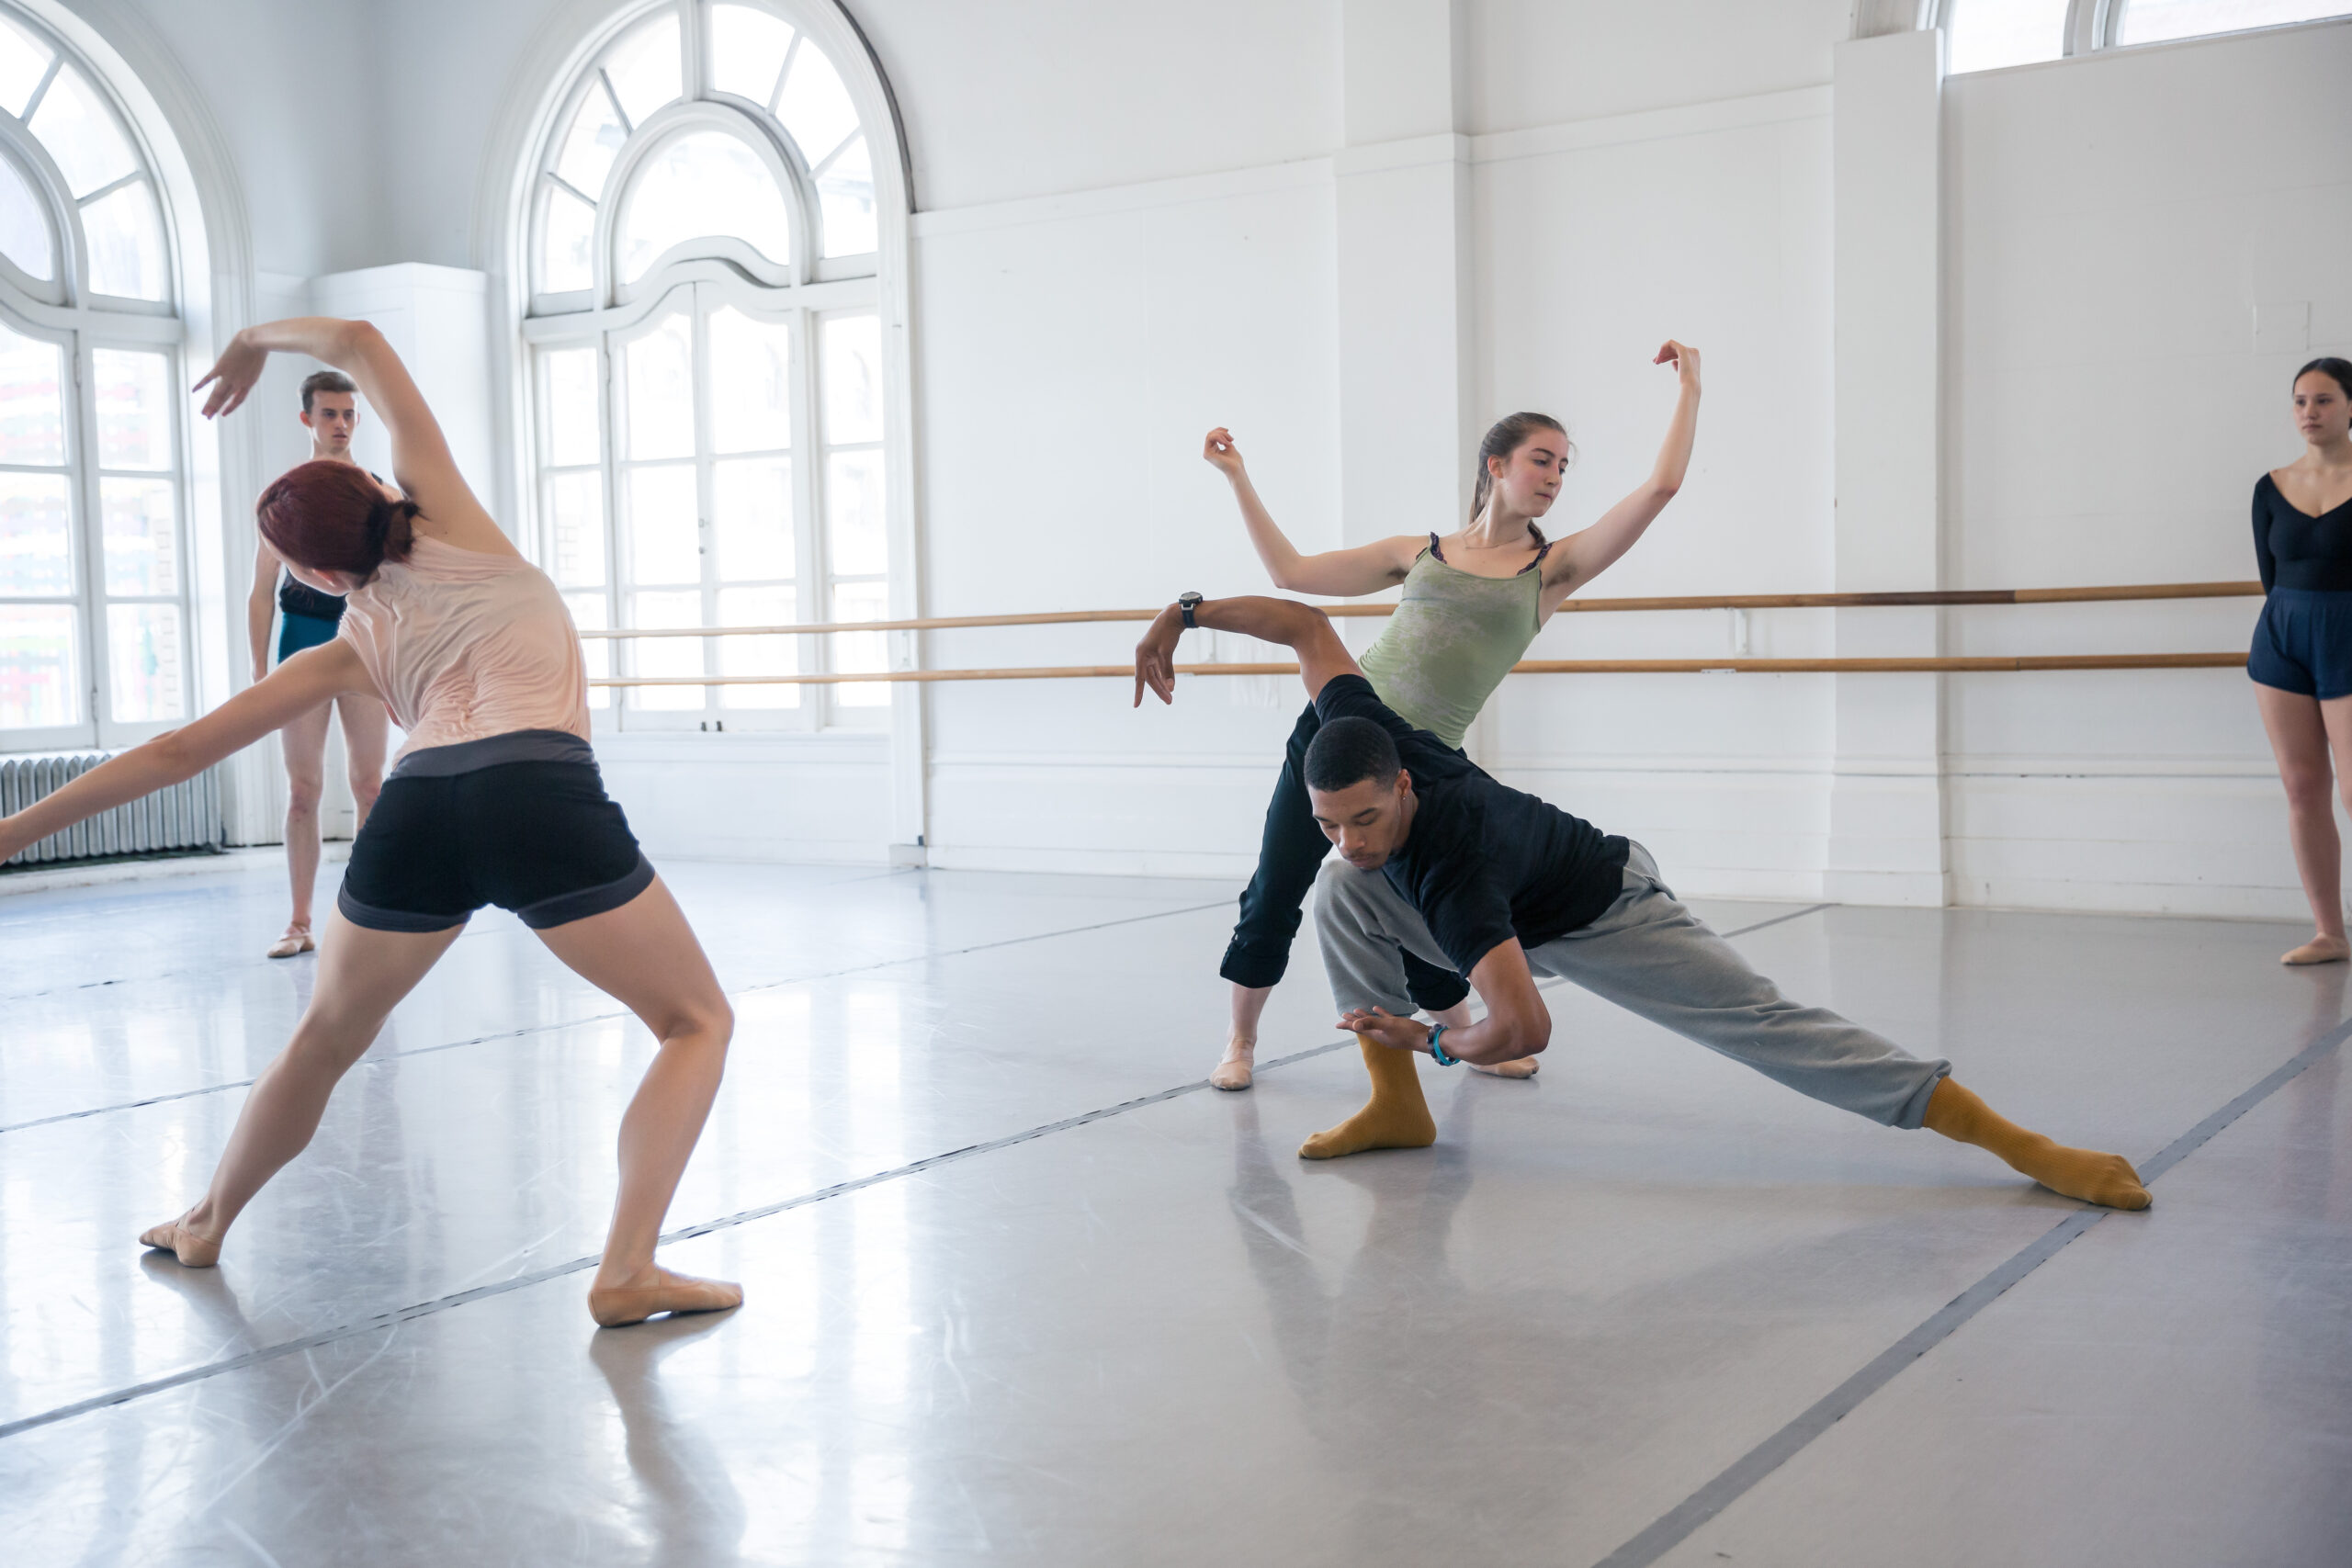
<point>193,1250</point>
<point>1523,1068</point>
<point>2319,949</point>
<point>1234,1071</point>
<point>297,940</point>
<point>614,1305</point>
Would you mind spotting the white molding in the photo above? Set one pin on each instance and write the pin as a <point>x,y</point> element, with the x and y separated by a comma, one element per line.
<point>1653,125</point>
<point>1110,200</point>
<point>1411,152</point>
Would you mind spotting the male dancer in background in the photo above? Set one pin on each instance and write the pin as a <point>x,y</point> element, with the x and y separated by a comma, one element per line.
<point>1436,858</point>
<point>331,413</point>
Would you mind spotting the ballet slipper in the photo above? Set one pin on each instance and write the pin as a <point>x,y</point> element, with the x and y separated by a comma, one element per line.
<point>1523,1068</point>
<point>2319,949</point>
<point>192,1248</point>
<point>2088,1174</point>
<point>614,1306</point>
<point>1234,1070</point>
<point>1396,1117</point>
<point>297,940</point>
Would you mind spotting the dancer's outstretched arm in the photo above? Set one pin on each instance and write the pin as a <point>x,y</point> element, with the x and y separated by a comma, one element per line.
<point>421,460</point>
<point>1303,629</point>
<point>312,677</point>
<point>1585,553</point>
<point>1517,1023</point>
<point>1366,569</point>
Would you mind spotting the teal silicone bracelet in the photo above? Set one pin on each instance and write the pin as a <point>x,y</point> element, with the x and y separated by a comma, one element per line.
<point>1437,1033</point>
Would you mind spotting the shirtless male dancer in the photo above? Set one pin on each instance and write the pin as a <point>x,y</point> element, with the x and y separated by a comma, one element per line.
<point>1438,859</point>
<point>305,618</point>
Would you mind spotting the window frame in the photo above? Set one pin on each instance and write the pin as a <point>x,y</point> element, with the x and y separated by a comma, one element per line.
<point>2095,26</point>
<point>803,291</point>
<point>64,309</point>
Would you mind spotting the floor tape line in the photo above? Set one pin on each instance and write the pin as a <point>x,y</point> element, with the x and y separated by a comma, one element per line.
<point>1679,1523</point>
<point>379,1058</point>
<point>390,1320</point>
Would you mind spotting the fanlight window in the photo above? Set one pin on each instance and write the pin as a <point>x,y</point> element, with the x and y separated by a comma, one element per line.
<point>1984,35</point>
<point>94,572</point>
<point>787,138</point>
<point>711,422</point>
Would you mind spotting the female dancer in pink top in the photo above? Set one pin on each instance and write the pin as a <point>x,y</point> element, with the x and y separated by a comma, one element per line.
<point>495,800</point>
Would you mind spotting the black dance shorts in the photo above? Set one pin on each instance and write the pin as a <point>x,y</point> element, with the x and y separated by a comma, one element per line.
<point>519,820</point>
<point>2303,643</point>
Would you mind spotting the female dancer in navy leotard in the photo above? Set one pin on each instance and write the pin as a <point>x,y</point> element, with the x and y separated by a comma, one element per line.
<point>2302,660</point>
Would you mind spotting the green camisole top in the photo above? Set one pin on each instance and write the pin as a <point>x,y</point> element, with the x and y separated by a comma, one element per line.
<point>1454,636</point>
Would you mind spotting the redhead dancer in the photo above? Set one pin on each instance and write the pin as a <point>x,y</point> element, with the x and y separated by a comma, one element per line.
<point>2302,661</point>
<point>1473,602</point>
<point>494,800</point>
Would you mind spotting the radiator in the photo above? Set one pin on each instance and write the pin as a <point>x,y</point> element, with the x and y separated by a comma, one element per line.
<point>183,818</point>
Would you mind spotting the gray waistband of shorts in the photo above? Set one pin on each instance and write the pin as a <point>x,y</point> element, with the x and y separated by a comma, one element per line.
<point>515,746</point>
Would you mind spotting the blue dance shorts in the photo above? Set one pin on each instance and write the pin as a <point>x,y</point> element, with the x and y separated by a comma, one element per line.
<point>2303,643</point>
<point>296,633</point>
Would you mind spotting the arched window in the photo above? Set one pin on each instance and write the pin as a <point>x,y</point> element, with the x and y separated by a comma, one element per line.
<point>1986,34</point>
<point>94,554</point>
<point>706,358</point>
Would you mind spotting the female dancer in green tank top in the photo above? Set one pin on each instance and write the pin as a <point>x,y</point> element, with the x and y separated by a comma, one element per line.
<point>1473,602</point>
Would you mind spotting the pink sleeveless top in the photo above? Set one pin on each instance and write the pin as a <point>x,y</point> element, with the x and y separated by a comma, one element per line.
<point>465,646</point>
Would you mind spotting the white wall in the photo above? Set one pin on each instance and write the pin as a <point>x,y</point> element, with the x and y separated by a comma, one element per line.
<point>2115,225</point>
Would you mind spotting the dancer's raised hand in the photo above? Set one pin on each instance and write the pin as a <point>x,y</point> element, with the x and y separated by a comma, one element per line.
<point>233,376</point>
<point>1218,448</point>
<point>1684,358</point>
<point>1385,1028</point>
<point>1156,656</point>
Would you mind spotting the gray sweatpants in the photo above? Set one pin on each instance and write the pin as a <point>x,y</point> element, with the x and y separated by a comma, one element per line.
<point>1654,958</point>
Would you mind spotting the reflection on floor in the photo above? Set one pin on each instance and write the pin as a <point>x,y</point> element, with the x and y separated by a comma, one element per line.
<point>1121,1323</point>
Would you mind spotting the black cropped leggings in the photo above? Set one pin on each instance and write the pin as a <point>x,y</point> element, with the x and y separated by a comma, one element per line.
<point>1288,858</point>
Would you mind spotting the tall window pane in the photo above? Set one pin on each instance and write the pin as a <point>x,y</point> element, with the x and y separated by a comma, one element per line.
<point>126,239</point>
<point>662,529</point>
<point>568,385</point>
<point>657,369</point>
<point>750,383</point>
<point>36,535</point>
<point>142,528</point>
<point>855,653</point>
<point>752,518</point>
<point>134,409</point>
<point>143,660</point>
<point>667,656</point>
<point>32,402</point>
<point>773,607</point>
<point>40,686</point>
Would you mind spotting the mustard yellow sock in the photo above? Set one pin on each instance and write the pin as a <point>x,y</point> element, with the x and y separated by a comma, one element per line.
<point>2085,1174</point>
<point>1396,1117</point>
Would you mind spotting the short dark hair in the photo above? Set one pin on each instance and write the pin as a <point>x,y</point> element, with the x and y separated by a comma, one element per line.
<point>1349,751</point>
<point>326,381</point>
<point>2337,370</point>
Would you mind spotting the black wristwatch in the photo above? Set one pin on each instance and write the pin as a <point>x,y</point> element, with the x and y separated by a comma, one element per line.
<point>1188,602</point>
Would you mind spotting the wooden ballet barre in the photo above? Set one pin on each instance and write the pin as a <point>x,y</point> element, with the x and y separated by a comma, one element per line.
<point>1969,665</point>
<point>1957,597</point>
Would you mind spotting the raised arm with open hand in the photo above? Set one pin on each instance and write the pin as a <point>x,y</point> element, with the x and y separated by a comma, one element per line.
<point>422,465</point>
<point>1303,629</point>
<point>1587,553</point>
<point>1366,569</point>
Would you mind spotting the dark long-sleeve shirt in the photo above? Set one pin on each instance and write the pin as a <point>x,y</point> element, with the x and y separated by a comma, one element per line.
<point>2294,548</point>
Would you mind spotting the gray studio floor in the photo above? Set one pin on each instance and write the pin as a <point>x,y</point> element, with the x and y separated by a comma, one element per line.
<point>1021,1291</point>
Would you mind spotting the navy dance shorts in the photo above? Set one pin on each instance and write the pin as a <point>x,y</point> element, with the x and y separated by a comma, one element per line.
<point>518,820</point>
<point>2303,643</point>
<point>296,633</point>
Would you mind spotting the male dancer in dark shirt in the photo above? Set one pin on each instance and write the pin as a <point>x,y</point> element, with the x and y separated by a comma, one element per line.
<point>1438,858</point>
